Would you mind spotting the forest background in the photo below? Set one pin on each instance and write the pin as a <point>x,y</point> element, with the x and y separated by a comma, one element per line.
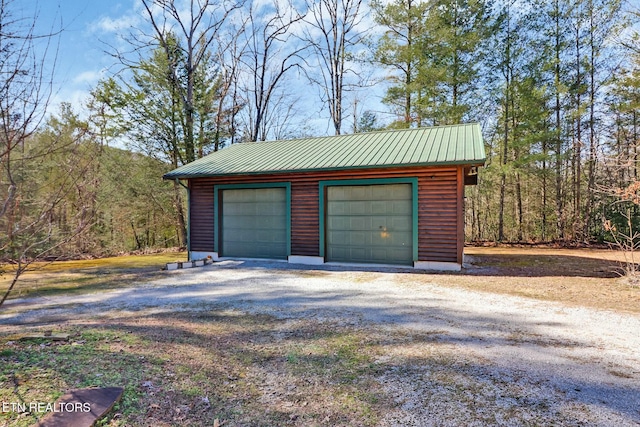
<point>555,85</point>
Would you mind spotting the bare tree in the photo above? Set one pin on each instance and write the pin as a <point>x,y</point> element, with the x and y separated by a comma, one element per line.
<point>32,186</point>
<point>333,34</point>
<point>228,104</point>
<point>198,30</point>
<point>25,90</point>
<point>280,122</point>
<point>25,93</point>
<point>185,40</point>
<point>272,51</point>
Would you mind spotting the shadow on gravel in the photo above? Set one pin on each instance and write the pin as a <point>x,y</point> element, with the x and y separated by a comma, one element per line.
<point>520,265</point>
<point>517,265</point>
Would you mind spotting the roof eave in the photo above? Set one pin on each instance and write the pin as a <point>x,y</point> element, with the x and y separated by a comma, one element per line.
<point>475,162</point>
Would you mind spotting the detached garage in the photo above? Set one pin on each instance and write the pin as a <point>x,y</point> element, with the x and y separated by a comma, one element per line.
<point>389,197</point>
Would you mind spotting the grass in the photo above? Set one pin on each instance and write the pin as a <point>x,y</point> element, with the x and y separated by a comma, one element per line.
<point>194,368</point>
<point>40,370</point>
<point>66,277</point>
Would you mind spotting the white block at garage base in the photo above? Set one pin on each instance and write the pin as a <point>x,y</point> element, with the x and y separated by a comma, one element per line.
<point>434,265</point>
<point>308,260</point>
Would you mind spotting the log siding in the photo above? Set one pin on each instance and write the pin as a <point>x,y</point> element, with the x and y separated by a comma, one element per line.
<point>440,204</point>
<point>305,234</point>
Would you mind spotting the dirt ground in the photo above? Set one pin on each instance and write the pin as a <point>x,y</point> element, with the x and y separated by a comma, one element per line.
<point>578,277</point>
<point>520,337</point>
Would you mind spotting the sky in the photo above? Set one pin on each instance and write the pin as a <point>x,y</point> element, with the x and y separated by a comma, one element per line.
<point>89,27</point>
<point>88,30</point>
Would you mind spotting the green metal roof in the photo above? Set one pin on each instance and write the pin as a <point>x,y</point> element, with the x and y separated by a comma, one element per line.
<point>428,146</point>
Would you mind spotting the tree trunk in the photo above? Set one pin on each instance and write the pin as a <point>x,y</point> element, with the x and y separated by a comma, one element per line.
<point>408,76</point>
<point>577,180</point>
<point>558,126</point>
<point>503,184</point>
<point>505,139</point>
<point>181,217</point>
<point>592,133</point>
<point>545,151</point>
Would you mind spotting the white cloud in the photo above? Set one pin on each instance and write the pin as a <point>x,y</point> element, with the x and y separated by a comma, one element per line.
<point>76,97</point>
<point>107,24</point>
<point>89,77</point>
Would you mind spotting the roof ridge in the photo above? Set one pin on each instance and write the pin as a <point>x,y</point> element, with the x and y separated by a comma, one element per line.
<point>302,138</point>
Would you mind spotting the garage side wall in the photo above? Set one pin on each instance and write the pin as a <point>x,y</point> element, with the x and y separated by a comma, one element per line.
<point>201,216</point>
<point>439,203</point>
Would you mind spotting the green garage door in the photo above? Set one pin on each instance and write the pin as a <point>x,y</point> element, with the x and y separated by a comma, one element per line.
<point>254,223</point>
<point>370,224</point>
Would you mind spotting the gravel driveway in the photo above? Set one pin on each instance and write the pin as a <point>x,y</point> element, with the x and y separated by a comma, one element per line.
<point>513,358</point>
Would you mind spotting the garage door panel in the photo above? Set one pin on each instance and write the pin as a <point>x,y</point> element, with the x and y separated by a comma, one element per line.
<point>402,239</point>
<point>378,192</point>
<point>337,208</point>
<point>358,238</point>
<point>402,207</point>
<point>379,253</point>
<point>270,208</point>
<point>400,255</point>
<point>401,224</point>
<point>235,222</point>
<point>233,246</point>
<point>357,208</point>
<point>268,237</point>
<point>370,223</point>
<point>357,193</point>
<point>338,238</point>
<point>254,223</point>
<point>383,255</point>
<point>381,239</point>
<point>270,195</point>
<point>270,222</point>
<point>261,221</point>
<point>269,248</point>
<point>337,253</point>
<point>260,209</point>
<point>380,208</point>
<point>253,208</point>
<point>391,192</point>
<point>379,223</point>
<point>359,223</point>
<point>235,196</point>
<point>338,223</point>
<point>337,194</point>
<point>235,208</point>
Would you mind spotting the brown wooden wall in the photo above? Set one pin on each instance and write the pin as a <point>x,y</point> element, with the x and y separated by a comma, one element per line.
<point>440,198</point>
<point>305,223</point>
<point>437,216</point>
<point>201,215</point>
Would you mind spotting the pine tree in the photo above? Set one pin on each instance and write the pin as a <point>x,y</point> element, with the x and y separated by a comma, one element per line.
<point>400,50</point>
